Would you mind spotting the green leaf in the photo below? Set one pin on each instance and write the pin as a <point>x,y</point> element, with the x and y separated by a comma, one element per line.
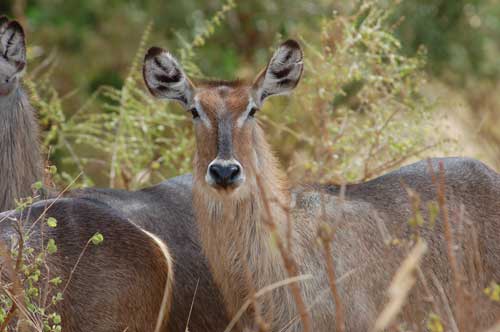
<point>37,185</point>
<point>97,238</point>
<point>51,246</point>
<point>52,169</point>
<point>56,319</point>
<point>52,222</point>
<point>56,281</point>
<point>57,298</point>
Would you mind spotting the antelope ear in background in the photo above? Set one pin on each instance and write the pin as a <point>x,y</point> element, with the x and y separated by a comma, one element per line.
<point>165,78</point>
<point>12,43</point>
<point>282,73</point>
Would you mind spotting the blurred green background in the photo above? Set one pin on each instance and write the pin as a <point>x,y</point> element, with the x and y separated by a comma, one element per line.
<point>76,47</point>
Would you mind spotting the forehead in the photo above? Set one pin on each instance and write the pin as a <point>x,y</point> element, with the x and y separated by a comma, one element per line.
<point>219,99</point>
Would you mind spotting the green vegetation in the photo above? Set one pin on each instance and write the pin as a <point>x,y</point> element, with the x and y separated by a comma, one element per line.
<point>361,96</point>
<point>358,112</point>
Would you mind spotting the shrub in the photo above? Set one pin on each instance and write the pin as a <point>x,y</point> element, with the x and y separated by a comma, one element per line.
<point>357,113</point>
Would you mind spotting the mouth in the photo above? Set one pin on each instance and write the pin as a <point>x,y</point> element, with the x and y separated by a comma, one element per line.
<point>225,187</point>
<point>4,89</point>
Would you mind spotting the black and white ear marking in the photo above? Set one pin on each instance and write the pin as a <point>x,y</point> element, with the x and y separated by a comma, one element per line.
<point>282,74</point>
<point>165,78</point>
<point>12,43</point>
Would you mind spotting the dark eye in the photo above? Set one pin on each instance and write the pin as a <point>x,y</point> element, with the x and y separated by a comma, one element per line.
<point>194,112</point>
<point>252,112</point>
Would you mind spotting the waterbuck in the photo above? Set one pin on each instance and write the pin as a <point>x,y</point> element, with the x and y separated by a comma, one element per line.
<point>243,203</point>
<point>20,159</point>
<point>123,283</point>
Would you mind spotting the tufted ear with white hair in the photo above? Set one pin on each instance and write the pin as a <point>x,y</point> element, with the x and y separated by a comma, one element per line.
<point>282,73</point>
<point>165,78</point>
<point>12,43</point>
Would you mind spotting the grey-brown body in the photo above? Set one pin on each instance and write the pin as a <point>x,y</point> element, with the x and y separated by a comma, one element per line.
<point>20,160</point>
<point>375,213</point>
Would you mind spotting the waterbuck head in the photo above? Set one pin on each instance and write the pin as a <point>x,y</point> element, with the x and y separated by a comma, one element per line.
<point>12,55</point>
<point>230,148</point>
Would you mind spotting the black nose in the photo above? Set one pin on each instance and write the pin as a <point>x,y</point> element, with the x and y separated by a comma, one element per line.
<point>224,175</point>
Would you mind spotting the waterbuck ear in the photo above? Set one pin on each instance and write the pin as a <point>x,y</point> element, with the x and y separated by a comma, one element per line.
<point>165,78</point>
<point>282,73</point>
<point>12,43</point>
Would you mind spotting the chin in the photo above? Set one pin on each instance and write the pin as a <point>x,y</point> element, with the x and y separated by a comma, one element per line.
<point>229,192</point>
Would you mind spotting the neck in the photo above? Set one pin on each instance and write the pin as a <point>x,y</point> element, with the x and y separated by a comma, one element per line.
<point>20,164</point>
<point>237,240</point>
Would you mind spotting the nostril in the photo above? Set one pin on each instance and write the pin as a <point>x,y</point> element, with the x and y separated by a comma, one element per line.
<point>215,172</point>
<point>234,171</point>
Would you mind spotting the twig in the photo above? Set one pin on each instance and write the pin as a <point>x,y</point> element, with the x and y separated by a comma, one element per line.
<point>450,244</point>
<point>396,162</point>
<point>402,283</point>
<point>259,321</point>
<point>16,285</point>
<point>192,305</point>
<point>73,270</point>
<point>428,293</point>
<point>75,266</point>
<point>444,300</point>
<point>52,202</point>
<point>289,262</point>
<point>262,292</point>
<point>326,235</point>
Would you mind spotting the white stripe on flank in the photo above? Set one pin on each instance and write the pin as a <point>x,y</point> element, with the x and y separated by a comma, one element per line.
<point>167,294</point>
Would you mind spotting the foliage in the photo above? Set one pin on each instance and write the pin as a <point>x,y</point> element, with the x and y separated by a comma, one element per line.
<point>124,132</point>
<point>359,111</point>
<point>29,292</point>
<point>461,36</point>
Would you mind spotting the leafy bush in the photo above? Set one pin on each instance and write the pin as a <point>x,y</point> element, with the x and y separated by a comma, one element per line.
<point>357,113</point>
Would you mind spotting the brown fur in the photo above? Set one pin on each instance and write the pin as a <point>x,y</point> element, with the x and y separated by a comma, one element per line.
<point>123,284</point>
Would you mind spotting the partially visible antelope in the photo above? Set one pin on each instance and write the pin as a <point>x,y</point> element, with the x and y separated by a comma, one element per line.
<point>123,284</point>
<point>20,159</point>
<point>236,176</point>
<point>150,238</point>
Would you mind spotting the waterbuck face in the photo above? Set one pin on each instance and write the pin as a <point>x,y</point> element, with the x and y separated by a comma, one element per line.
<point>12,55</point>
<point>228,137</point>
